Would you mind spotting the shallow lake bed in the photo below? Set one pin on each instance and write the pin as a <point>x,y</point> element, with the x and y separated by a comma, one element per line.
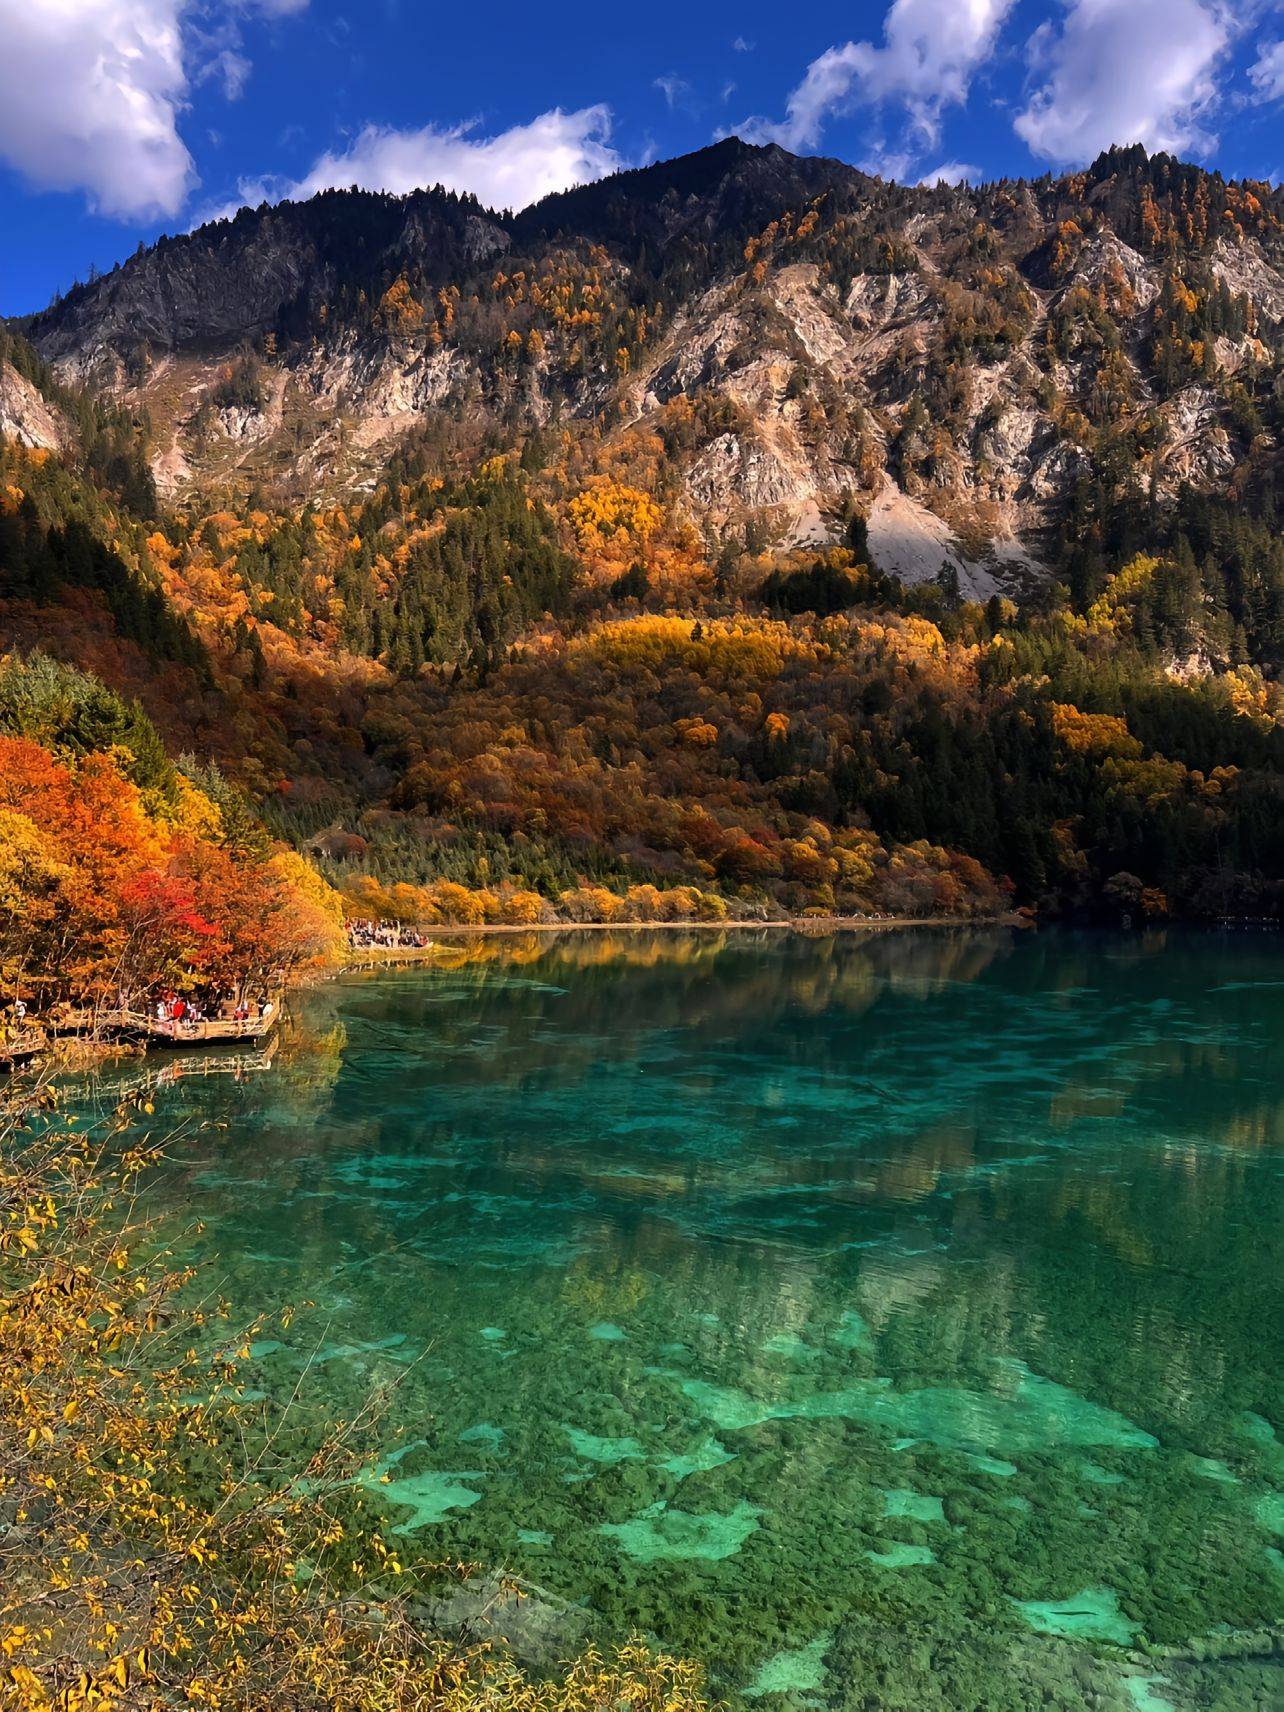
<point>890,1322</point>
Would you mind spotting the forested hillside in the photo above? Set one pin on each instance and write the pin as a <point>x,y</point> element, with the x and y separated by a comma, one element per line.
<point>739,536</point>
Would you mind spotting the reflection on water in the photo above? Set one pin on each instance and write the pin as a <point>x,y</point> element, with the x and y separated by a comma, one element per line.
<point>891,1322</point>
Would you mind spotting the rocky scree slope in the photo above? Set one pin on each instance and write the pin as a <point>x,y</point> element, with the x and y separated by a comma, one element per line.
<point>952,365</point>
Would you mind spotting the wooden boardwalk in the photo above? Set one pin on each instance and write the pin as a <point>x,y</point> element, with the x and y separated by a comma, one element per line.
<point>24,1047</point>
<point>168,1032</point>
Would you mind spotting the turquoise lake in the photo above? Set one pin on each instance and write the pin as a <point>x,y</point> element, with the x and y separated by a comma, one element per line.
<point>887,1321</point>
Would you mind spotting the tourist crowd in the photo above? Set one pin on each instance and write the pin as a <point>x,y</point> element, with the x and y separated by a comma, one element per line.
<point>388,934</point>
<point>186,1014</point>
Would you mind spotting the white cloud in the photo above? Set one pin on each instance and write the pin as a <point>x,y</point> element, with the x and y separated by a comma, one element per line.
<point>951,172</point>
<point>931,50</point>
<point>675,89</point>
<point>740,45</point>
<point>91,92</point>
<point>881,160</point>
<point>1124,71</point>
<point>89,98</point>
<point>509,170</point>
<point>1267,75</point>
<point>230,68</point>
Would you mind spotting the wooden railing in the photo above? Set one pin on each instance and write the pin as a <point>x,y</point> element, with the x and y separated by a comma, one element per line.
<point>183,1033</point>
<point>22,1045</point>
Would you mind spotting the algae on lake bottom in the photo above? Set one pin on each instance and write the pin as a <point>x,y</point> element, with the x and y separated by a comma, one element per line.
<point>747,1331</point>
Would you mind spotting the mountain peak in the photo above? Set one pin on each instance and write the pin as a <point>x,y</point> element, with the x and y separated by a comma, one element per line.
<point>728,187</point>
<point>807,333</point>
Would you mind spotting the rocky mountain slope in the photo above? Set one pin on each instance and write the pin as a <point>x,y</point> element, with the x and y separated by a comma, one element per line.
<point>807,343</point>
<point>647,551</point>
<point>26,416</point>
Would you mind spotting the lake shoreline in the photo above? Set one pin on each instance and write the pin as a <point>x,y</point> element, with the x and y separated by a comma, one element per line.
<point>366,957</point>
<point>64,1045</point>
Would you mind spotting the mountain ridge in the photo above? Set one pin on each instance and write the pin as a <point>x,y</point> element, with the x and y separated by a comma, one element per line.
<point>832,315</point>
<point>742,533</point>
<point>781,176</point>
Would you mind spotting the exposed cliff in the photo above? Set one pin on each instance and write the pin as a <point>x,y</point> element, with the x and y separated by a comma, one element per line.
<point>950,363</point>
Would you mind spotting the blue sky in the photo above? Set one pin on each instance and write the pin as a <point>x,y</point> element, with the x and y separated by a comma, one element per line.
<point>120,119</point>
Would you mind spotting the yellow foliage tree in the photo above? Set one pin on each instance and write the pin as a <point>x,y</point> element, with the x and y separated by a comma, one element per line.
<point>399,310</point>
<point>611,519</point>
<point>316,908</point>
<point>1095,734</point>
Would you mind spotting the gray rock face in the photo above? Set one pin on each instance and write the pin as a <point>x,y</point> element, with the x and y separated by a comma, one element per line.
<point>233,281</point>
<point>25,416</point>
<point>214,294</point>
<point>949,361</point>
